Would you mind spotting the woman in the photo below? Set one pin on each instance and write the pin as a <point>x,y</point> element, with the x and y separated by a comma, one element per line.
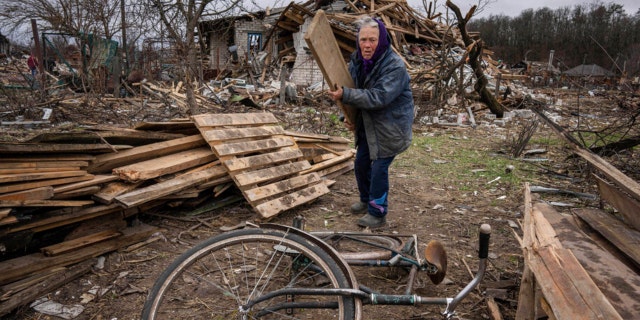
<point>384,103</point>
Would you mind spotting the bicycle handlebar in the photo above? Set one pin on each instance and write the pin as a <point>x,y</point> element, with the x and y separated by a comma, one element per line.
<point>485,234</point>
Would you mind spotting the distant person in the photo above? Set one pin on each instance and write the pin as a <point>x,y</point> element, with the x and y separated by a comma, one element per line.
<point>32,63</point>
<point>384,102</point>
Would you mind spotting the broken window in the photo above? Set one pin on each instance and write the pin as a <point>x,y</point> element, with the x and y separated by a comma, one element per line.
<point>254,44</point>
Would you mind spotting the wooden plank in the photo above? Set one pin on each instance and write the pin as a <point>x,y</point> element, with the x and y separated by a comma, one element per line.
<point>42,170</point>
<point>526,295</point>
<point>109,192</point>
<point>105,162</point>
<point>271,173</point>
<point>59,148</point>
<point>5,212</point>
<point>280,187</point>
<point>260,160</point>
<point>44,203</point>
<point>65,219</point>
<point>234,119</point>
<point>616,280</point>
<point>170,186</point>
<point>621,235</point>
<point>42,183</point>
<point>26,265</point>
<point>234,133</point>
<point>86,191</point>
<point>45,158</point>
<point>273,207</point>
<point>42,164</point>
<point>80,242</point>
<point>97,179</point>
<point>331,162</point>
<point>626,206</point>
<point>41,193</point>
<point>240,148</point>
<point>160,166</point>
<point>42,284</point>
<point>324,47</point>
<point>6,178</point>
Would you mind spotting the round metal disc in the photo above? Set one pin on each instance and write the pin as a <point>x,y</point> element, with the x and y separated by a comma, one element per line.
<point>436,255</point>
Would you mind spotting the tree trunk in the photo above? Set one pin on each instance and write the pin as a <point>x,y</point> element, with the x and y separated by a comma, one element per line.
<point>475,52</point>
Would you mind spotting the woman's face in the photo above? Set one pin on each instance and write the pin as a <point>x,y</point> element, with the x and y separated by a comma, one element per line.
<point>368,41</point>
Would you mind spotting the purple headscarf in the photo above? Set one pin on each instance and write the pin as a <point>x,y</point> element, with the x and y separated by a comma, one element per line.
<point>383,45</point>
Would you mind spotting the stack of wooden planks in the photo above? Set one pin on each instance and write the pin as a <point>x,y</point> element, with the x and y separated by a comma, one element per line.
<point>83,201</point>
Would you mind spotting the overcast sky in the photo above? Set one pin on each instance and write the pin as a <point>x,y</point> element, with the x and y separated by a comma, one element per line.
<point>515,7</point>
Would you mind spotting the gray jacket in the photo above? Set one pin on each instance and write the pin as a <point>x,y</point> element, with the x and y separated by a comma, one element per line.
<point>385,104</point>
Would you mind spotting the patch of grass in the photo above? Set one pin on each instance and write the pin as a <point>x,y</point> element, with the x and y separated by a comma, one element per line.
<point>448,158</point>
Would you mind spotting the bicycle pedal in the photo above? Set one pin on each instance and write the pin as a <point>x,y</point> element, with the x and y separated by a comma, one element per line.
<point>435,255</point>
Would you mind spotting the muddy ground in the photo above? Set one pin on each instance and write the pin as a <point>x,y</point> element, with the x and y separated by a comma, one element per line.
<point>450,211</point>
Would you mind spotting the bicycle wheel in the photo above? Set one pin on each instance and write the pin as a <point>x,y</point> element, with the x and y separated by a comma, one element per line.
<point>216,278</point>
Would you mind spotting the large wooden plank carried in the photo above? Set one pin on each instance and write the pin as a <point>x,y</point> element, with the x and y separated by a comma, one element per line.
<point>324,47</point>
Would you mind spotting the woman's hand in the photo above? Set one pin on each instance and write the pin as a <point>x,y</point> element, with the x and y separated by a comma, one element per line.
<point>337,94</point>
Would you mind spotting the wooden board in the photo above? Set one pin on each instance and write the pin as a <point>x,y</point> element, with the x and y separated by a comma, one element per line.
<point>42,183</point>
<point>167,187</point>
<point>41,193</point>
<point>23,266</point>
<point>97,179</point>
<point>617,281</point>
<point>114,189</point>
<point>324,47</point>
<point>105,162</point>
<point>81,242</point>
<point>19,177</point>
<point>627,206</point>
<point>164,165</point>
<point>42,164</point>
<point>44,203</point>
<point>262,161</point>
<point>621,235</point>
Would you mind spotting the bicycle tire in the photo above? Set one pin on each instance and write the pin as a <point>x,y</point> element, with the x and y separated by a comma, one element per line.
<point>206,283</point>
<point>353,246</point>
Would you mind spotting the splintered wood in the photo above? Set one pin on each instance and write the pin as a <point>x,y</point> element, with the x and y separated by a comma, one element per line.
<point>265,164</point>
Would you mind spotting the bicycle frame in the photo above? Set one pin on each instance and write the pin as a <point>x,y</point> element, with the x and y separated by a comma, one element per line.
<point>368,296</point>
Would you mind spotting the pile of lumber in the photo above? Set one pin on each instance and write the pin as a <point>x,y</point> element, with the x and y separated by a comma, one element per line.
<point>64,202</point>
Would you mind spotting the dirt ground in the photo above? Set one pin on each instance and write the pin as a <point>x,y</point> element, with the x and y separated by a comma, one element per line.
<point>449,211</point>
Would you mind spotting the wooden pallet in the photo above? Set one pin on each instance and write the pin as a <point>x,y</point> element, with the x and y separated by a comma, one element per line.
<point>265,164</point>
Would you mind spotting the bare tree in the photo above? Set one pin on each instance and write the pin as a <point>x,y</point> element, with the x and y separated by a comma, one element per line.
<point>180,21</point>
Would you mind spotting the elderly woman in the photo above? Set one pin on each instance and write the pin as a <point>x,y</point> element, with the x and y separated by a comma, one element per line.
<point>384,103</point>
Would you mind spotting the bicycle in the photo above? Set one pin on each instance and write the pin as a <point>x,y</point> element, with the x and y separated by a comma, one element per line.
<point>281,272</point>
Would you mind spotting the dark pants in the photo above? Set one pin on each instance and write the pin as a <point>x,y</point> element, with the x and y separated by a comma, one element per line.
<point>372,178</point>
